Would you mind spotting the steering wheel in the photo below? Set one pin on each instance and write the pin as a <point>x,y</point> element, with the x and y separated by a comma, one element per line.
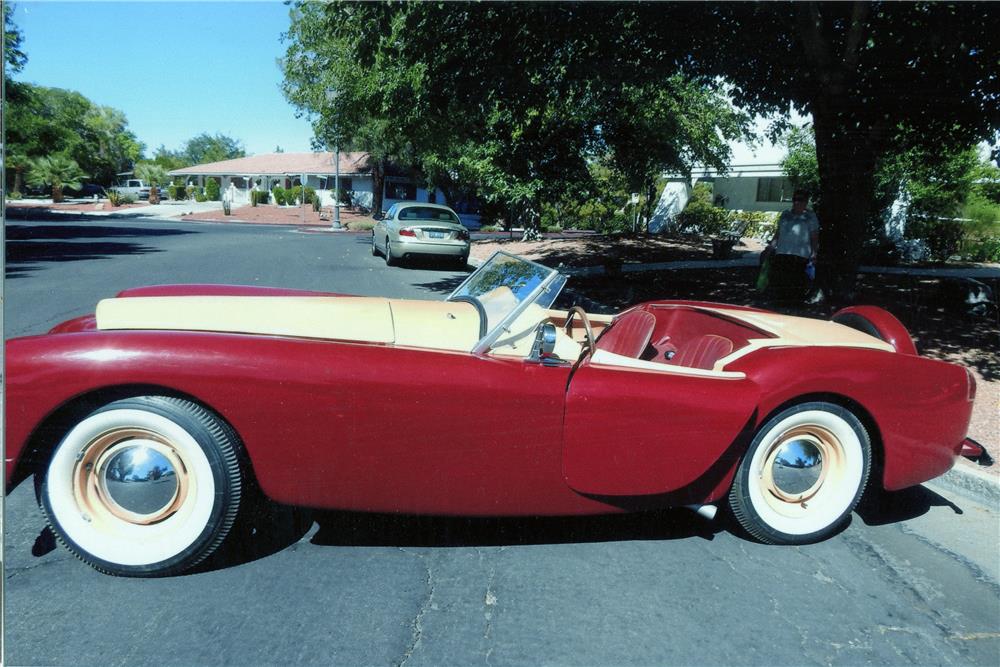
<point>568,327</point>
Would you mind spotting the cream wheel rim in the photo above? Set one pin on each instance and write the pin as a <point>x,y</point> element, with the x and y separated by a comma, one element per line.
<point>806,472</point>
<point>110,523</point>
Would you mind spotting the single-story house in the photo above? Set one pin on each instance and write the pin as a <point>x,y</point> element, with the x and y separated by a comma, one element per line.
<point>745,187</point>
<point>748,187</point>
<point>316,170</point>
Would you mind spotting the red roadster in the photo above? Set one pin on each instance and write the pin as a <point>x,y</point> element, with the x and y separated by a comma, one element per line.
<point>147,423</point>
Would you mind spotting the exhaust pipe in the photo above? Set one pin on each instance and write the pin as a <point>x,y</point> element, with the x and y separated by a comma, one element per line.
<point>705,511</point>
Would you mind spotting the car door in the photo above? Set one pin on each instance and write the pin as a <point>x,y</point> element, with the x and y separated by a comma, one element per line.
<point>381,227</point>
<point>396,429</point>
<point>631,431</point>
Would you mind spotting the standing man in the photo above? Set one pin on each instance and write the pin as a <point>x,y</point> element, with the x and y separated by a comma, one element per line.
<point>795,243</point>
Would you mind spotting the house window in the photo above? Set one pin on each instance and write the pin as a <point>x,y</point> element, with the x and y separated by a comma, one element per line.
<point>330,183</point>
<point>406,191</point>
<point>774,189</point>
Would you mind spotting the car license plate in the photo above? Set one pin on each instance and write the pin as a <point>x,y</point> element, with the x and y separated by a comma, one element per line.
<point>436,235</point>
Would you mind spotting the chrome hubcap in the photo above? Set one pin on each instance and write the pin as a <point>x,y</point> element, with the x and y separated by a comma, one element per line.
<point>131,475</point>
<point>797,465</point>
<point>139,479</point>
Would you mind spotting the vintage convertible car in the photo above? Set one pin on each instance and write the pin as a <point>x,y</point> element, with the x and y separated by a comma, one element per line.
<point>148,424</point>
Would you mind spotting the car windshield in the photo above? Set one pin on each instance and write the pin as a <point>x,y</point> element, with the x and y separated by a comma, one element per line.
<point>504,286</point>
<point>423,213</point>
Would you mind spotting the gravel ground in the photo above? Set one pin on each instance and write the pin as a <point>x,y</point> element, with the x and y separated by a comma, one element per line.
<point>270,214</point>
<point>939,330</point>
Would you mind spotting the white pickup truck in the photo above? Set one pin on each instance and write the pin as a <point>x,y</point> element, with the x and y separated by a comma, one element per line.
<point>137,188</point>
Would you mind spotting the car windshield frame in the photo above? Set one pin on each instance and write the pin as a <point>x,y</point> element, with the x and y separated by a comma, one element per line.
<point>543,293</point>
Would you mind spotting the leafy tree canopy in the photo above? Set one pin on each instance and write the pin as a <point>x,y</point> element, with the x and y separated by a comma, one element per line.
<point>57,171</point>
<point>521,95</point>
<point>212,148</point>
<point>96,137</point>
<point>514,100</point>
<point>13,57</point>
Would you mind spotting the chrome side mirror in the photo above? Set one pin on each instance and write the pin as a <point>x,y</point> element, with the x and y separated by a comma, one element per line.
<point>542,350</point>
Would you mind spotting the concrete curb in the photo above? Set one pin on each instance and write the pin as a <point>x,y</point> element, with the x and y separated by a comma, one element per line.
<point>972,482</point>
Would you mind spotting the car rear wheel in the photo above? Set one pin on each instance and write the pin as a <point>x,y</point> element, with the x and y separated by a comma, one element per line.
<point>147,486</point>
<point>802,475</point>
<point>390,259</point>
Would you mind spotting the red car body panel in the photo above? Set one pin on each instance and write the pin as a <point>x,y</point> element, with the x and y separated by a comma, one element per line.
<point>635,432</point>
<point>342,425</point>
<point>920,407</point>
<point>334,424</point>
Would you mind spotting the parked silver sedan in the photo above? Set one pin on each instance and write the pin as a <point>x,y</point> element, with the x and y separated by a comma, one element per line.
<point>417,228</point>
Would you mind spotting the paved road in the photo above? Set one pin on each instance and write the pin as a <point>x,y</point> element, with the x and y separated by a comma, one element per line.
<point>912,580</point>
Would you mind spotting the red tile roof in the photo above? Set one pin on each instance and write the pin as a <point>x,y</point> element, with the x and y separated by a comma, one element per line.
<point>279,164</point>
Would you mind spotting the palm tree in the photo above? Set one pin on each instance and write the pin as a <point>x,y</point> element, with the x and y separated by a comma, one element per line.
<point>58,171</point>
<point>154,175</point>
<point>19,163</point>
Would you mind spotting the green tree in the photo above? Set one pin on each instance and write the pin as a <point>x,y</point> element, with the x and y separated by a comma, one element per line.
<point>877,78</point>
<point>170,160</point>
<point>19,163</point>
<point>153,174</point>
<point>206,148</point>
<point>57,171</point>
<point>513,101</point>
<point>96,137</point>
<point>800,164</point>
<point>13,57</point>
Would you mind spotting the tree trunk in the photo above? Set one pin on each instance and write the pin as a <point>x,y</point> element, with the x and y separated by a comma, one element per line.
<point>378,185</point>
<point>19,180</point>
<point>847,155</point>
<point>57,194</point>
<point>648,207</point>
<point>531,221</point>
<point>154,194</point>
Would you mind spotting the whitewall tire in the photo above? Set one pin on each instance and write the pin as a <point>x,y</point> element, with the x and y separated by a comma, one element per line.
<point>146,486</point>
<point>803,474</point>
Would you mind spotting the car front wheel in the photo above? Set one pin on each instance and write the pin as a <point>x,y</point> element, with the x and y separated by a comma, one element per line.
<point>147,486</point>
<point>375,252</point>
<point>803,474</point>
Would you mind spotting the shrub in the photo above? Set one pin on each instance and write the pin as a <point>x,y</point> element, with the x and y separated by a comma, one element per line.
<point>552,229</point>
<point>192,191</point>
<point>942,236</point>
<point>258,197</point>
<point>280,195</point>
<point>295,196</point>
<point>489,228</point>
<point>316,203</point>
<point>345,197</point>
<point>212,189</point>
<point>114,197</point>
<point>758,224</point>
<point>702,217</point>
<point>311,195</point>
<point>127,199</point>
<point>702,192</point>
<point>172,191</point>
<point>200,197</point>
<point>15,195</point>
<point>360,225</point>
<point>982,250</point>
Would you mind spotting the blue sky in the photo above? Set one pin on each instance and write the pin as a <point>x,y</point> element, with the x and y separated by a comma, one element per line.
<point>176,69</point>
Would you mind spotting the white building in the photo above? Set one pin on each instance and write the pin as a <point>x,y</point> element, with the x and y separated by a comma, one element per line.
<point>748,187</point>
<point>316,170</point>
<point>745,187</point>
